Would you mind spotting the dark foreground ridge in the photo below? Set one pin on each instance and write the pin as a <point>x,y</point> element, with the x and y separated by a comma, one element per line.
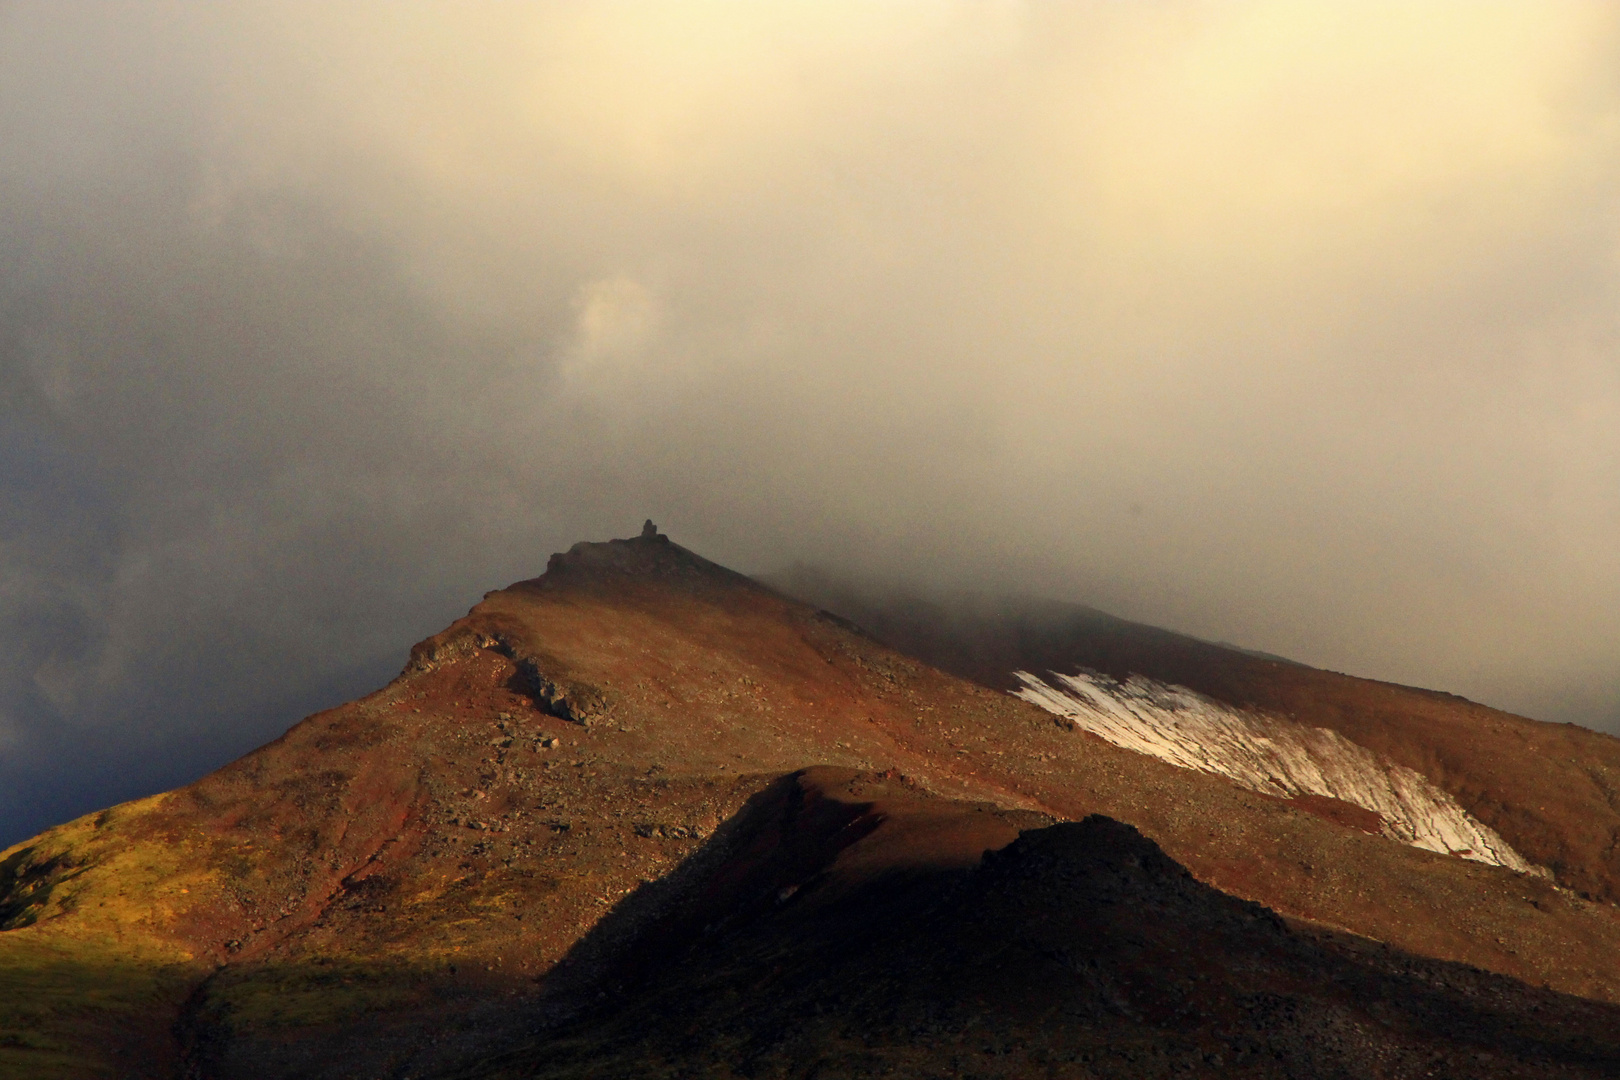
<point>1079,950</point>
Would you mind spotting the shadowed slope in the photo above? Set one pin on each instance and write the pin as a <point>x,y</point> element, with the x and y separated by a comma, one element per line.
<point>1079,950</point>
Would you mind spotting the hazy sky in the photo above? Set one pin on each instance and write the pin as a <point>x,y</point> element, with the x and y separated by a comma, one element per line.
<point>1293,325</point>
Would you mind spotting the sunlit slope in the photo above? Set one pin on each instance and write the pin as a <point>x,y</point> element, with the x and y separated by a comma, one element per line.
<point>401,877</point>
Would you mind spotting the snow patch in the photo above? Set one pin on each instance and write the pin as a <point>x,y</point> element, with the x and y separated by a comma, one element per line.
<point>1269,755</point>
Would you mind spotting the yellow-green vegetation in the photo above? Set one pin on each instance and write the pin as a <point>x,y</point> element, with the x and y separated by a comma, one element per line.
<point>56,991</point>
<point>303,994</point>
<point>85,945</point>
<point>101,871</point>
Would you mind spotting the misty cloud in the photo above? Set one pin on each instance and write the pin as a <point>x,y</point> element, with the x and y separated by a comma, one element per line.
<point>1274,323</point>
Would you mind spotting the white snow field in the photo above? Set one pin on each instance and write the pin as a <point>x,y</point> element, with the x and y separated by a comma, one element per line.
<point>1269,755</point>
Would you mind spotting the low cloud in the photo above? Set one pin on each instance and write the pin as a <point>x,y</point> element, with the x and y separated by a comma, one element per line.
<point>1277,324</point>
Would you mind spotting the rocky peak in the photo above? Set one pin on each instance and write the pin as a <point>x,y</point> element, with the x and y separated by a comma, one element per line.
<point>649,556</point>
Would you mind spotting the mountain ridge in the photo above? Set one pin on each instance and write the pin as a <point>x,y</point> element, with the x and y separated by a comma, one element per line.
<point>415,879</point>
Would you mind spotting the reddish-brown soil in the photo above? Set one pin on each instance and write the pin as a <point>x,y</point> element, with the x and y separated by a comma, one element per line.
<point>1339,811</point>
<point>474,852</point>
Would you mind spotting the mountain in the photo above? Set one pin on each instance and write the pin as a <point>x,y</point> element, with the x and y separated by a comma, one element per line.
<point>644,816</point>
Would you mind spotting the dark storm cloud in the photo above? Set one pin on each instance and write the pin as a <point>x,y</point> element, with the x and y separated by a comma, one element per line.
<point>1275,323</point>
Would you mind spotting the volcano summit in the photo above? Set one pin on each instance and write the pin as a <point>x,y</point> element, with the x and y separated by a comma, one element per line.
<point>644,816</point>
